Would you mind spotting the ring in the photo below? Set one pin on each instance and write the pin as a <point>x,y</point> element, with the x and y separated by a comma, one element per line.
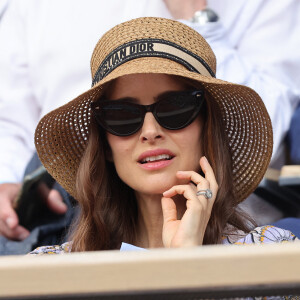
<point>206,193</point>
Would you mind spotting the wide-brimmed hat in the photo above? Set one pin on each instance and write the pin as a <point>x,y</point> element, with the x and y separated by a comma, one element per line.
<point>162,46</point>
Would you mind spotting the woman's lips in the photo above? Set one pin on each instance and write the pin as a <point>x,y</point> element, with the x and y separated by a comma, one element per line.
<point>155,159</point>
<point>155,165</point>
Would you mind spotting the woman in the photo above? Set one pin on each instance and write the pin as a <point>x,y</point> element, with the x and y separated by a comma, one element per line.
<point>158,152</point>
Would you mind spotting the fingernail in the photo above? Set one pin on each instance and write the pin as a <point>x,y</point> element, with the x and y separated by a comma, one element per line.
<point>23,236</point>
<point>205,159</point>
<point>62,205</point>
<point>10,222</point>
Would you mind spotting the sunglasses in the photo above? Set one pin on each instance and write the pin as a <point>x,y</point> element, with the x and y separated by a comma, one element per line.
<point>172,110</point>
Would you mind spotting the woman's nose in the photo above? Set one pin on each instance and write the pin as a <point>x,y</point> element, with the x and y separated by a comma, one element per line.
<point>151,130</point>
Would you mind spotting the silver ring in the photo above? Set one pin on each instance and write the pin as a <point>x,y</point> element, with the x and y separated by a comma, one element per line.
<point>206,193</point>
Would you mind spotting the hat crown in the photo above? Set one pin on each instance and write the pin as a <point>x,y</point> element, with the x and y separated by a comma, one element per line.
<point>152,28</point>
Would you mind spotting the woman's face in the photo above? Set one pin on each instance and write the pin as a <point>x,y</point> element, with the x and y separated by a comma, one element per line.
<point>152,140</point>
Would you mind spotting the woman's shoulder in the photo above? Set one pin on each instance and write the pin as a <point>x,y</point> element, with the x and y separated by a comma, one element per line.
<point>55,249</point>
<point>267,234</point>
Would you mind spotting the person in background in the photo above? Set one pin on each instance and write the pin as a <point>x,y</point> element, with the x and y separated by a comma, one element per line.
<point>294,138</point>
<point>3,6</point>
<point>38,74</point>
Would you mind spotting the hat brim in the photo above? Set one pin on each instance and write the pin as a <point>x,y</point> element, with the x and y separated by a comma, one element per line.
<point>61,135</point>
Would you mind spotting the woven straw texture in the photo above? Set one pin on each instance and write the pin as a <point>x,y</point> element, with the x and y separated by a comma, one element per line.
<point>61,135</point>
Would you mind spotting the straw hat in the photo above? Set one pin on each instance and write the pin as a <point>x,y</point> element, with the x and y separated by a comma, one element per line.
<point>157,45</point>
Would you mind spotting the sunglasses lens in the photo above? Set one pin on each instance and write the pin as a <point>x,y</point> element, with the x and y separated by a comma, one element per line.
<point>173,110</point>
<point>178,110</point>
<point>121,119</point>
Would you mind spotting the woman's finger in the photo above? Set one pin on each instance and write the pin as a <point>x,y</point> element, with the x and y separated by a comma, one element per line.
<point>185,190</point>
<point>202,183</point>
<point>169,209</point>
<point>194,177</point>
<point>191,176</point>
<point>208,172</point>
<point>190,193</point>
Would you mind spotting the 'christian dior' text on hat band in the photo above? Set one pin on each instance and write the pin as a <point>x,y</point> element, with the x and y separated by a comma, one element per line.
<point>151,48</point>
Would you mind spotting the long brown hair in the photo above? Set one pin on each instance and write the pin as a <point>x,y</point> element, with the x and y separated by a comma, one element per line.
<point>108,215</point>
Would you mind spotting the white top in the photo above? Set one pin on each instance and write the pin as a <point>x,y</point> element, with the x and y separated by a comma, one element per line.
<point>46,46</point>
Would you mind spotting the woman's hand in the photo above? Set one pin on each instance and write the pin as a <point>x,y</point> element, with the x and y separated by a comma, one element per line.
<point>189,231</point>
<point>180,9</point>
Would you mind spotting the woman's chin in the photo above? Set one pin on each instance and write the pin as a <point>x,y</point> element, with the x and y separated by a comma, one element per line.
<point>155,189</point>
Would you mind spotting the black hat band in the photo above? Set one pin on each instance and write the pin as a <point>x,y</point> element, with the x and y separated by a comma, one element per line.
<point>151,48</point>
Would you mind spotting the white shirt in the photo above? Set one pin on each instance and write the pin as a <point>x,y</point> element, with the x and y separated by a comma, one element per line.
<point>46,46</point>
<point>3,6</point>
